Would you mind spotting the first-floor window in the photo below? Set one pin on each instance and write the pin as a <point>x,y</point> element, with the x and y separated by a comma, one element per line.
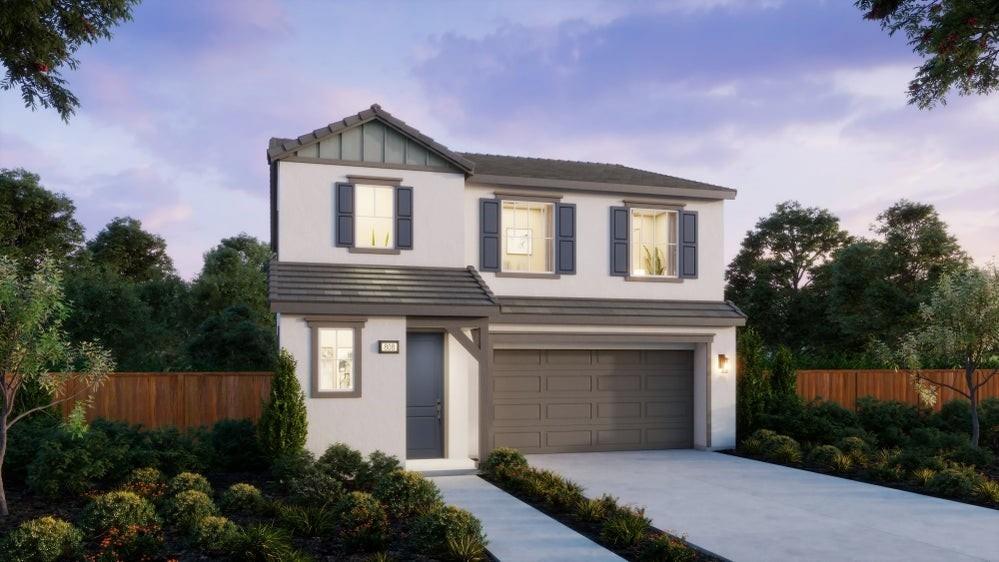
<point>654,242</point>
<point>528,237</point>
<point>375,223</point>
<point>336,360</point>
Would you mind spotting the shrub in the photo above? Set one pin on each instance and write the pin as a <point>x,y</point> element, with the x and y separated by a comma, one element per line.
<point>987,491</point>
<point>405,494</point>
<point>922,476</point>
<point>175,451</point>
<point>595,511</point>
<point>955,482</point>
<point>146,482</point>
<point>188,507</point>
<point>503,457</point>
<point>67,465</point>
<point>465,548</point>
<point>189,481</point>
<point>825,456</point>
<point>136,542</point>
<point>342,463</point>
<point>890,421</point>
<point>436,531</point>
<point>664,548</point>
<point>283,425</point>
<point>752,390</point>
<point>215,534</point>
<point>242,497</point>
<point>625,527</point>
<point>307,521</point>
<point>363,524</point>
<point>236,446</point>
<point>379,466</point>
<point>45,539</point>
<point>292,465</point>
<point>23,441</point>
<point>856,449</point>
<point>263,543</point>
<point>315,488</point>
<point>120,509</point>
<point>553,489</point>
<point>818,422</point>
<point>772,446</point>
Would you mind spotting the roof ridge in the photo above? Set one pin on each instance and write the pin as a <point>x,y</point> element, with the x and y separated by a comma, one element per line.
<point>548,159</point>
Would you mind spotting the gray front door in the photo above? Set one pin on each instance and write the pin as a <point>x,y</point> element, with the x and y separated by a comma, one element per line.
<point>424,396</point>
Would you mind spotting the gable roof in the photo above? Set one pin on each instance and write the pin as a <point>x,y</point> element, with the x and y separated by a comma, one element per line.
<point>280,148</point>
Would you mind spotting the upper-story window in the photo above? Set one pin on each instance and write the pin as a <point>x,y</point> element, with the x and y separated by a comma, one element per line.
<point>375,218</point>
<point>528,237</point>
<point>654,242</point>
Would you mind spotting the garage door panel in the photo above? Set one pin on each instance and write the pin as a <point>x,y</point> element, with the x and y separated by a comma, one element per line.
<point>592,400</point>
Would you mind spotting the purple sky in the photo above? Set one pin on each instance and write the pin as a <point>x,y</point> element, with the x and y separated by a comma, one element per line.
<point>782,100</point>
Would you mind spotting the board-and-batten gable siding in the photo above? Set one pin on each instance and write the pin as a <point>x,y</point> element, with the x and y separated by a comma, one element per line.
<point>373,142</point>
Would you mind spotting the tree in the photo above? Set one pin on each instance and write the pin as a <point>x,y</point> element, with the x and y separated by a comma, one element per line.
<point>232,341</point>
<point>34,221</point>
<point>960,330</point>
<point>235,272</point>
<point>959,40</point>
<point>127,250</point>
<point>771,278</point>
<point>37,38</point>
<point>283,425</point>
<point>34,349</point>
<point>752,394</point>
<point>783,378</point>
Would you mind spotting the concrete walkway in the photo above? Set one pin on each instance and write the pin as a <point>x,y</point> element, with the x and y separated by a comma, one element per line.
<point>747,510</point>
<point>516,531</point>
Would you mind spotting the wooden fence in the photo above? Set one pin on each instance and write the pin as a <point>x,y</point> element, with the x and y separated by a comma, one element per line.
<point>846,386</point>
<point>182,400</point>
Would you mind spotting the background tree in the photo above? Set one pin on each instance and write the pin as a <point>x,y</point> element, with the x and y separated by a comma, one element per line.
<point>961,331</point>
<point>39,37</point>
<point>772,278</point>
<point>283,426</point>
<point>34,349</point>
<point>235,272</point>
<point>232,341</point>
<point>34,221</point>
<point>124,248</point>
<point>958,40</point>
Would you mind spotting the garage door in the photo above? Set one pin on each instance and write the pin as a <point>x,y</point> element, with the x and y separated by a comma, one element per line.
<point>548,401</point>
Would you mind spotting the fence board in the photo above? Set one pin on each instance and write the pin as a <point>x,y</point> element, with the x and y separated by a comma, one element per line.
<point>846,386</point>
<point>183,400</point>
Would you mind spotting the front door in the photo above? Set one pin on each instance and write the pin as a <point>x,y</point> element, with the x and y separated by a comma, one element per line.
<point>424,396</point>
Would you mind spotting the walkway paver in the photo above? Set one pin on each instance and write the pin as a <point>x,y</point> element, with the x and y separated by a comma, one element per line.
<point>747,510</point>
<point>516,531</point>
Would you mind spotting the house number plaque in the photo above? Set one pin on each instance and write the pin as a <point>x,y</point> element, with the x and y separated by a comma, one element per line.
<point>388,346</point>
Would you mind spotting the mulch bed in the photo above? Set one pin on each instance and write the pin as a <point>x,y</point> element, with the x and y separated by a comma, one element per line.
<point>591,530</point>
<point>992,472</point>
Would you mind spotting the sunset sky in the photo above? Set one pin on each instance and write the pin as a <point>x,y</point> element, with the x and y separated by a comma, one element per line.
<point>781,100</point>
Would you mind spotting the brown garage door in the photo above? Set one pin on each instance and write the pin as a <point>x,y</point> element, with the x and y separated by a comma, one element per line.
<point>548,401</point>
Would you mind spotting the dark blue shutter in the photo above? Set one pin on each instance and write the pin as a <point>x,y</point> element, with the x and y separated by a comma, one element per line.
<point>345,215</point>
<point>404,218</point>
<point>688,244</point>
<point>565,238</point>
<point>619,241</point>
<point>489,232</point>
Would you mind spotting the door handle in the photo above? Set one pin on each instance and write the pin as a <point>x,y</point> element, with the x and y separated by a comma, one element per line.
<point>438,410</point>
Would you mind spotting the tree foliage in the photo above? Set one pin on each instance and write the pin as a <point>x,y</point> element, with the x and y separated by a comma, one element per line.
<point>38,38</point>
<point>34,221</point>
<point>958,40</point>
<point>124,248</point>
<point>235,272</point>
<point>283,425</point>
<point>232,341</point>
<point>752,389</point>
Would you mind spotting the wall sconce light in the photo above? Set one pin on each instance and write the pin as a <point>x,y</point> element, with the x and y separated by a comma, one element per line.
<point>722,363</point>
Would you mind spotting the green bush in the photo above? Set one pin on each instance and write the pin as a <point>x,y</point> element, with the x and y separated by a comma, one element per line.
<point>825,456</point>
<point>146,482</point>
<point>772,446</point>
<point>405,494</point>
<point>119,509</point>
<point>752,388</point>
<point>242,497</point>
<point>955,482</point>
<point>186,508</point>
<point>817,422</point>
<point>283,425</point>
<point>292,465</point>
<point>136,542</point>
<point>215,534</point>
<point>502,458</point>
<point>45,539</point>
<point>189,481</point>
<point>890,421</point>
<point>884,466</point>
<point>661,547</point>
<point>342,463</point>
<point>236,446</point>
<point>378,466</point>
<point>306,521</point>
<point>263,543</point>
<point>437,531</point>
<point>625,527</point>
<point>554,490</point>
<point>166,448</point>
<point>363,523</point>
<point>987,491</point>
<point>23,441</point>
<point>922,476</point>
<point>316,489</point>
<point>68,465</point>
<point>596,511</point>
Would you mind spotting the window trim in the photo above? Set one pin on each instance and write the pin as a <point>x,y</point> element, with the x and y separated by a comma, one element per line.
<point>394,249</point>
<point>316,324</point>
<point>644,206</point>
<point>524,198</point>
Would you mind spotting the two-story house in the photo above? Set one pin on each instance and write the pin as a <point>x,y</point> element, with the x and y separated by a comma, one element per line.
<point>440,304</point>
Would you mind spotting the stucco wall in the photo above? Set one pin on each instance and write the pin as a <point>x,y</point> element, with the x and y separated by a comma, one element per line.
<point>306,226</point>
<point>592,277</point>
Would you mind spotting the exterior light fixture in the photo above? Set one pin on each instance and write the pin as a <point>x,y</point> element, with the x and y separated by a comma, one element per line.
<point>722,363</point>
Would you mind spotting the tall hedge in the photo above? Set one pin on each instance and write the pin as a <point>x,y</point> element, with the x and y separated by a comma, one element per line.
<point>283,425</point>
<point>752,394</point>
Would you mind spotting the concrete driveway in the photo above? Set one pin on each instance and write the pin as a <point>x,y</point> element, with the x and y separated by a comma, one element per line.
<point>750,510</point>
